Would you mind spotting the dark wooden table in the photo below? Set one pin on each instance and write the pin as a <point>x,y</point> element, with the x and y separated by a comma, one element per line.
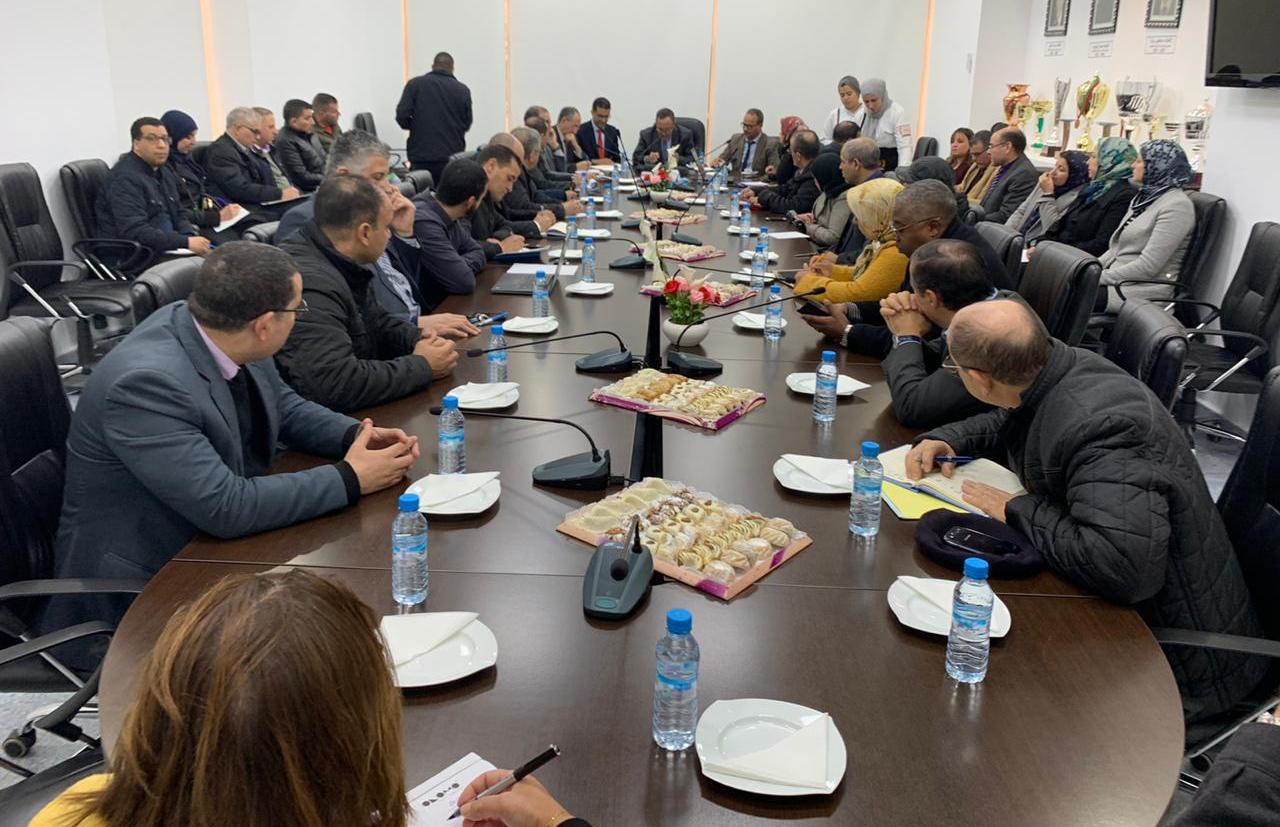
<point>1078,722</point>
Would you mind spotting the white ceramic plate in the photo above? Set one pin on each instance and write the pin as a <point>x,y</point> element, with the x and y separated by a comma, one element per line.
<point>914,610</point>
<point>734,229</point>
<point>747,321</point>
<point>746,255</point>
<point>469,651</point>
<point>807,383</point>
<point>476,502</point>
<point>794,479</point>
<point>502,400</point>
<point>527,326</point>
<point>729,729</point>
<point>610,214</point>
<point>569,255</point>
<point>598,232</point>
<point>581,288</point>
<point>744,277</point>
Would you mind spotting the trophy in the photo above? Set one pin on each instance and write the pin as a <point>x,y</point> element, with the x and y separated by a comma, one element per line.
<point>1013,101</point>
<point>1196,130</point>
<point>1091,98</point>
<point>1040,108</point>
<point>1061,89</point>
<point>1135,100</point>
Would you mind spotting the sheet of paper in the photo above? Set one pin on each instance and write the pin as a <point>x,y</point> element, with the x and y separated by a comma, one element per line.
<point>912,505</point>
<point>980,470</point>
<point>180,251</point>
<point>530,268</point>
<point>231,222</point>
<point>432,801</point>
<point>785,234</point>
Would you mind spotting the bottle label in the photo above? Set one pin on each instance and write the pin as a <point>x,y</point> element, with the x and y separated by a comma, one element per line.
<point>826,384</point>
<point>676,684</point>
<point>867,487</point>
<point>498,356</point>
<point>974,623</point>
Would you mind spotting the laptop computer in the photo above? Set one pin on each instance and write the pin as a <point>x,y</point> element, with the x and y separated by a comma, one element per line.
<point>520,284</point>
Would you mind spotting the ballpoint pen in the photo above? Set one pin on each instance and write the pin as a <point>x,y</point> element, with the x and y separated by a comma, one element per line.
<point>953,460</point>
<point>515,777</point>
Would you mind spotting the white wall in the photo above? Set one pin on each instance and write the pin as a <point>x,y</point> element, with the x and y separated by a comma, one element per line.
<point>952,59</point>
<point>471,31</point>
<point>1001,56</point>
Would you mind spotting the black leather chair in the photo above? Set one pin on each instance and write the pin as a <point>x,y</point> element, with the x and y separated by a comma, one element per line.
<point>1248,331</point>
<point>1151,345</point>
<point>421,178</point>
<point>407,188</point>
<point>699,130</point>
<point>165,283</point>
<point>925,146</point>
<point>1250,509</point>
<point>1008,246</point>
<point>110,258</point>
<point>364,122</point>
<point>34,419</point>
<point>1060,284</point>
<point>33,282</point>
<point>198,152</point>
<point>264,233</point>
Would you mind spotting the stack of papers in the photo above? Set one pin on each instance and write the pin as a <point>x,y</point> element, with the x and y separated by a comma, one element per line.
<point>949,489</point>
<point>434,800</point>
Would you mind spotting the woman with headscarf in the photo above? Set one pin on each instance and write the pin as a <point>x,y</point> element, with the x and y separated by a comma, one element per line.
<point>1059,188</point>
<point>850,108</point>
<point>1092,219</point>
<point>977,180</point>
<point>1153,235</point>
<point>830,215</point>
<point>206,214</point>
<point>933,168</point>
<point>960,160</point>
<point>886,123</point>
<point>880,267</point>
<point>786,168</point>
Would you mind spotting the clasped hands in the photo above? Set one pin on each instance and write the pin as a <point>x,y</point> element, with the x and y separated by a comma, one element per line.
<point>921,459</point>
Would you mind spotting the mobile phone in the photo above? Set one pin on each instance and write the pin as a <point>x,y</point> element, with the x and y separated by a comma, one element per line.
<point>978,542</point>
<point>814,309</point>
<point>482,319</point>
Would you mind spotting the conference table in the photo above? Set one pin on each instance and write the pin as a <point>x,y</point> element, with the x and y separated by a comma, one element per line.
<point>1078,722</point>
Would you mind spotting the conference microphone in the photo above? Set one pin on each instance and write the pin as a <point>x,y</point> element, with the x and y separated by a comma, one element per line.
<point>585,471</point>
<point>687,364</point>
<point>602,362</point>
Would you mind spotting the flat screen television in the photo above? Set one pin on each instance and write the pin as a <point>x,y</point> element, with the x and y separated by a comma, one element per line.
<point>1244,44</point>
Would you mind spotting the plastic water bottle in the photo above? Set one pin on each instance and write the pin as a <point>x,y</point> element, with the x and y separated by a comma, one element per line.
<point>969,643</point>
<point>824,392</point>
<point>541,297</point>
<point>591,215</point>
<point>583,182</point>
<point>497,359</point>
<point>571,231</point>
<point>587,268</point>
<point>615,175</point>
<point>735,206</point>
<point>744,222</point>
<point>864,503</point>
<point>675,688</point>
<point>409,553</point>
<point>709,196</point>
<point>451,438</point>
<point>764,239</point>
<point>773,314</point>
<point>610,200</point>
<point>759,267</point>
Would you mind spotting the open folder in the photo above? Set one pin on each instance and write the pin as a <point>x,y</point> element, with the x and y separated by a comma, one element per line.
<point>949,489</point>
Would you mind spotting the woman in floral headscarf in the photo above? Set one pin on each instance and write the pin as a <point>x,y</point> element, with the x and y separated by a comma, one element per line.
<point>1096,214</point>
<point>1057,191</point>
<point>1152,238</point>
<point>786,167</point>
<point>880,267</point>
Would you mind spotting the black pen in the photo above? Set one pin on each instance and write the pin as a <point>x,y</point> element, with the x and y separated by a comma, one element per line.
<point>514,778</point>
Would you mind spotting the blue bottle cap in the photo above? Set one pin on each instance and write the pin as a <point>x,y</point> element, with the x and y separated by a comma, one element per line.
<point>975,568</point>
<point>679,621</point>
<point>409,502</point>
<point>828,356</point>
<point>496,330</point>
<point>589,241</point>
<point>776,290</point>
<point>759,246</point>
<point>870,449</point>
<point>451,402</point>
<point>573,219</point>
<point>764,231</point>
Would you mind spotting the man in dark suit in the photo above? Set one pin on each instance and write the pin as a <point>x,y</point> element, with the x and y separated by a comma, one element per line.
<point>238,174</point>
<point>597,138</point>
<point>436,109</point>
<point>297,148</point>
<point>750,149</point>
<point>1014,178</point>
<point>177,426</point>
<point>801,191</point>
<point>656,141</point>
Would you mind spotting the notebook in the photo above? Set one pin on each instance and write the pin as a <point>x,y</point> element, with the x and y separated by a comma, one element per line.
<point>949,490</point>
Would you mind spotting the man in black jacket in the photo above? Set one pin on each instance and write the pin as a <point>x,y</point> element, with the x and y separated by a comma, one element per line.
<point>530,196</point>
<point>654,141</point>
<point>801,191</point>
<point>1242,788</point>
<point>487,225</point>
<point>599,140</point>
<point>298,149</point>
<point>436,109</point>
<point>551,170</point>
<point>346,351</point>
<point>140,199</point>
<point>450,257</point>
<point>1014,179</point>
<point>1115,501</point>
<point>237,174</point>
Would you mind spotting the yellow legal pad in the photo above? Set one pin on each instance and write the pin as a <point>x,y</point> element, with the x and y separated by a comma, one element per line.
<point>912,505</point>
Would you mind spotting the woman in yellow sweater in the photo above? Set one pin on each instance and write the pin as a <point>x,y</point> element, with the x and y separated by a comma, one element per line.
<point>879,268</point>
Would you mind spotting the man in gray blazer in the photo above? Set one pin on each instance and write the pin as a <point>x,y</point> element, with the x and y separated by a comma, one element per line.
<point>177,427</point>
<point>751,144</point>
<point>1014,178</point>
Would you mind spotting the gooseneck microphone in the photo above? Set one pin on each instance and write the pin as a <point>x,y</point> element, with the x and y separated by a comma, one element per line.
<point>602,362</point>
<point>585,471</point>
<point>692,365</point>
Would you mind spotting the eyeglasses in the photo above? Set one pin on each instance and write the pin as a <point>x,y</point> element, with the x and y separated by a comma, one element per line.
<point>897,228</point>
<point>949,363</point>
<point>302,307</point>
<point>1002,143</point>
<point>746,125</point>
<point>153,138</point>
<point>257,133</point>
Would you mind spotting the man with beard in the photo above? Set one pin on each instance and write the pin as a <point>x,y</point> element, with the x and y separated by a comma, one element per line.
<point>450,256</point>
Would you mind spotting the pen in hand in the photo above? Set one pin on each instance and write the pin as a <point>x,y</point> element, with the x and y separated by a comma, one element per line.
<point>956,460</point>
<point>516,776</point>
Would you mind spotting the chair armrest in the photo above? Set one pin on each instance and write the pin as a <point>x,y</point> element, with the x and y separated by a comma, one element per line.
<point>70,585</point>
<point>1214,640</point>
<point>43,643</point>
<point>1177,288</point>
<point>13,271</point>
<point>1214,310</point>
<point>132,253</point>
<point>1261,344</point>
<point>59,721</point>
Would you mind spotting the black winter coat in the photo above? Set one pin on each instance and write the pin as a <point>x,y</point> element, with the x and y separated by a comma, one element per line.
<point>436,109</point>
<point>797,194</point>
<point>192,194</point>
<point>238,175</point>
<point>300,157</point>
<point>1242,788</point>
<point>1117,505</point>
<point>347,352</point>
<point>1089,227</point>
<point>141,204</point>
<point>524,202</point>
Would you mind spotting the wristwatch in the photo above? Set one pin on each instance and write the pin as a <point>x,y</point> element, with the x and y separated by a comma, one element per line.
<point>844,337</point>
<point>902,340</point>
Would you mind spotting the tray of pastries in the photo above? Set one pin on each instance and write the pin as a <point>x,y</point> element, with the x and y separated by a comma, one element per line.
<point>665,215</point>
<point>671,396</point>
<point>727,294</point>
<point>685,252</point>
<point>716,547</point>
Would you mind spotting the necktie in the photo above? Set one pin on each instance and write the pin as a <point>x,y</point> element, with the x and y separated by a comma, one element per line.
<point>599,143</point>
<point>747,152</point>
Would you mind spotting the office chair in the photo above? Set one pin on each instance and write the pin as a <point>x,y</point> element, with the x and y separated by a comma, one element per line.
<point>165,283</point>
<point>264,233</point>
<point>1008,246</point>
<point>925,146</point>
<point>364,122</point>
<point>699,130</point>
<point>1060,284</point>
<point>421,178</point>
<point>1151,346</point>
<point>109,258</point>
<point>198,152</point>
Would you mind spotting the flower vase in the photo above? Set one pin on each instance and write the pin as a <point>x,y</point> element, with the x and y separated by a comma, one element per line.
<point>691,338</point>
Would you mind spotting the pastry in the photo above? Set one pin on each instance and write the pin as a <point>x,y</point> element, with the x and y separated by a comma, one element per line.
<point>719,570</point>
<point>778,539</point>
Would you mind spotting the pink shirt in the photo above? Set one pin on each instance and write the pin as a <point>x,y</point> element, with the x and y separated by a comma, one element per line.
<point>226,366</point>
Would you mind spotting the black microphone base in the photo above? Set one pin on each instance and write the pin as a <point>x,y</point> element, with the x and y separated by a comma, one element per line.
<point>632,262</point>
<point>691,365</point>
<point>685,238</point>
<point>630,224</point>
<point>580,471</point>
<point>606,361</point>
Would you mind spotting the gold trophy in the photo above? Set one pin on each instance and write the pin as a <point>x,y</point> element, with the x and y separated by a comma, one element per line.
<point>1040,108</point>
<point>1012,102</point>
<point>1091,98</point>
